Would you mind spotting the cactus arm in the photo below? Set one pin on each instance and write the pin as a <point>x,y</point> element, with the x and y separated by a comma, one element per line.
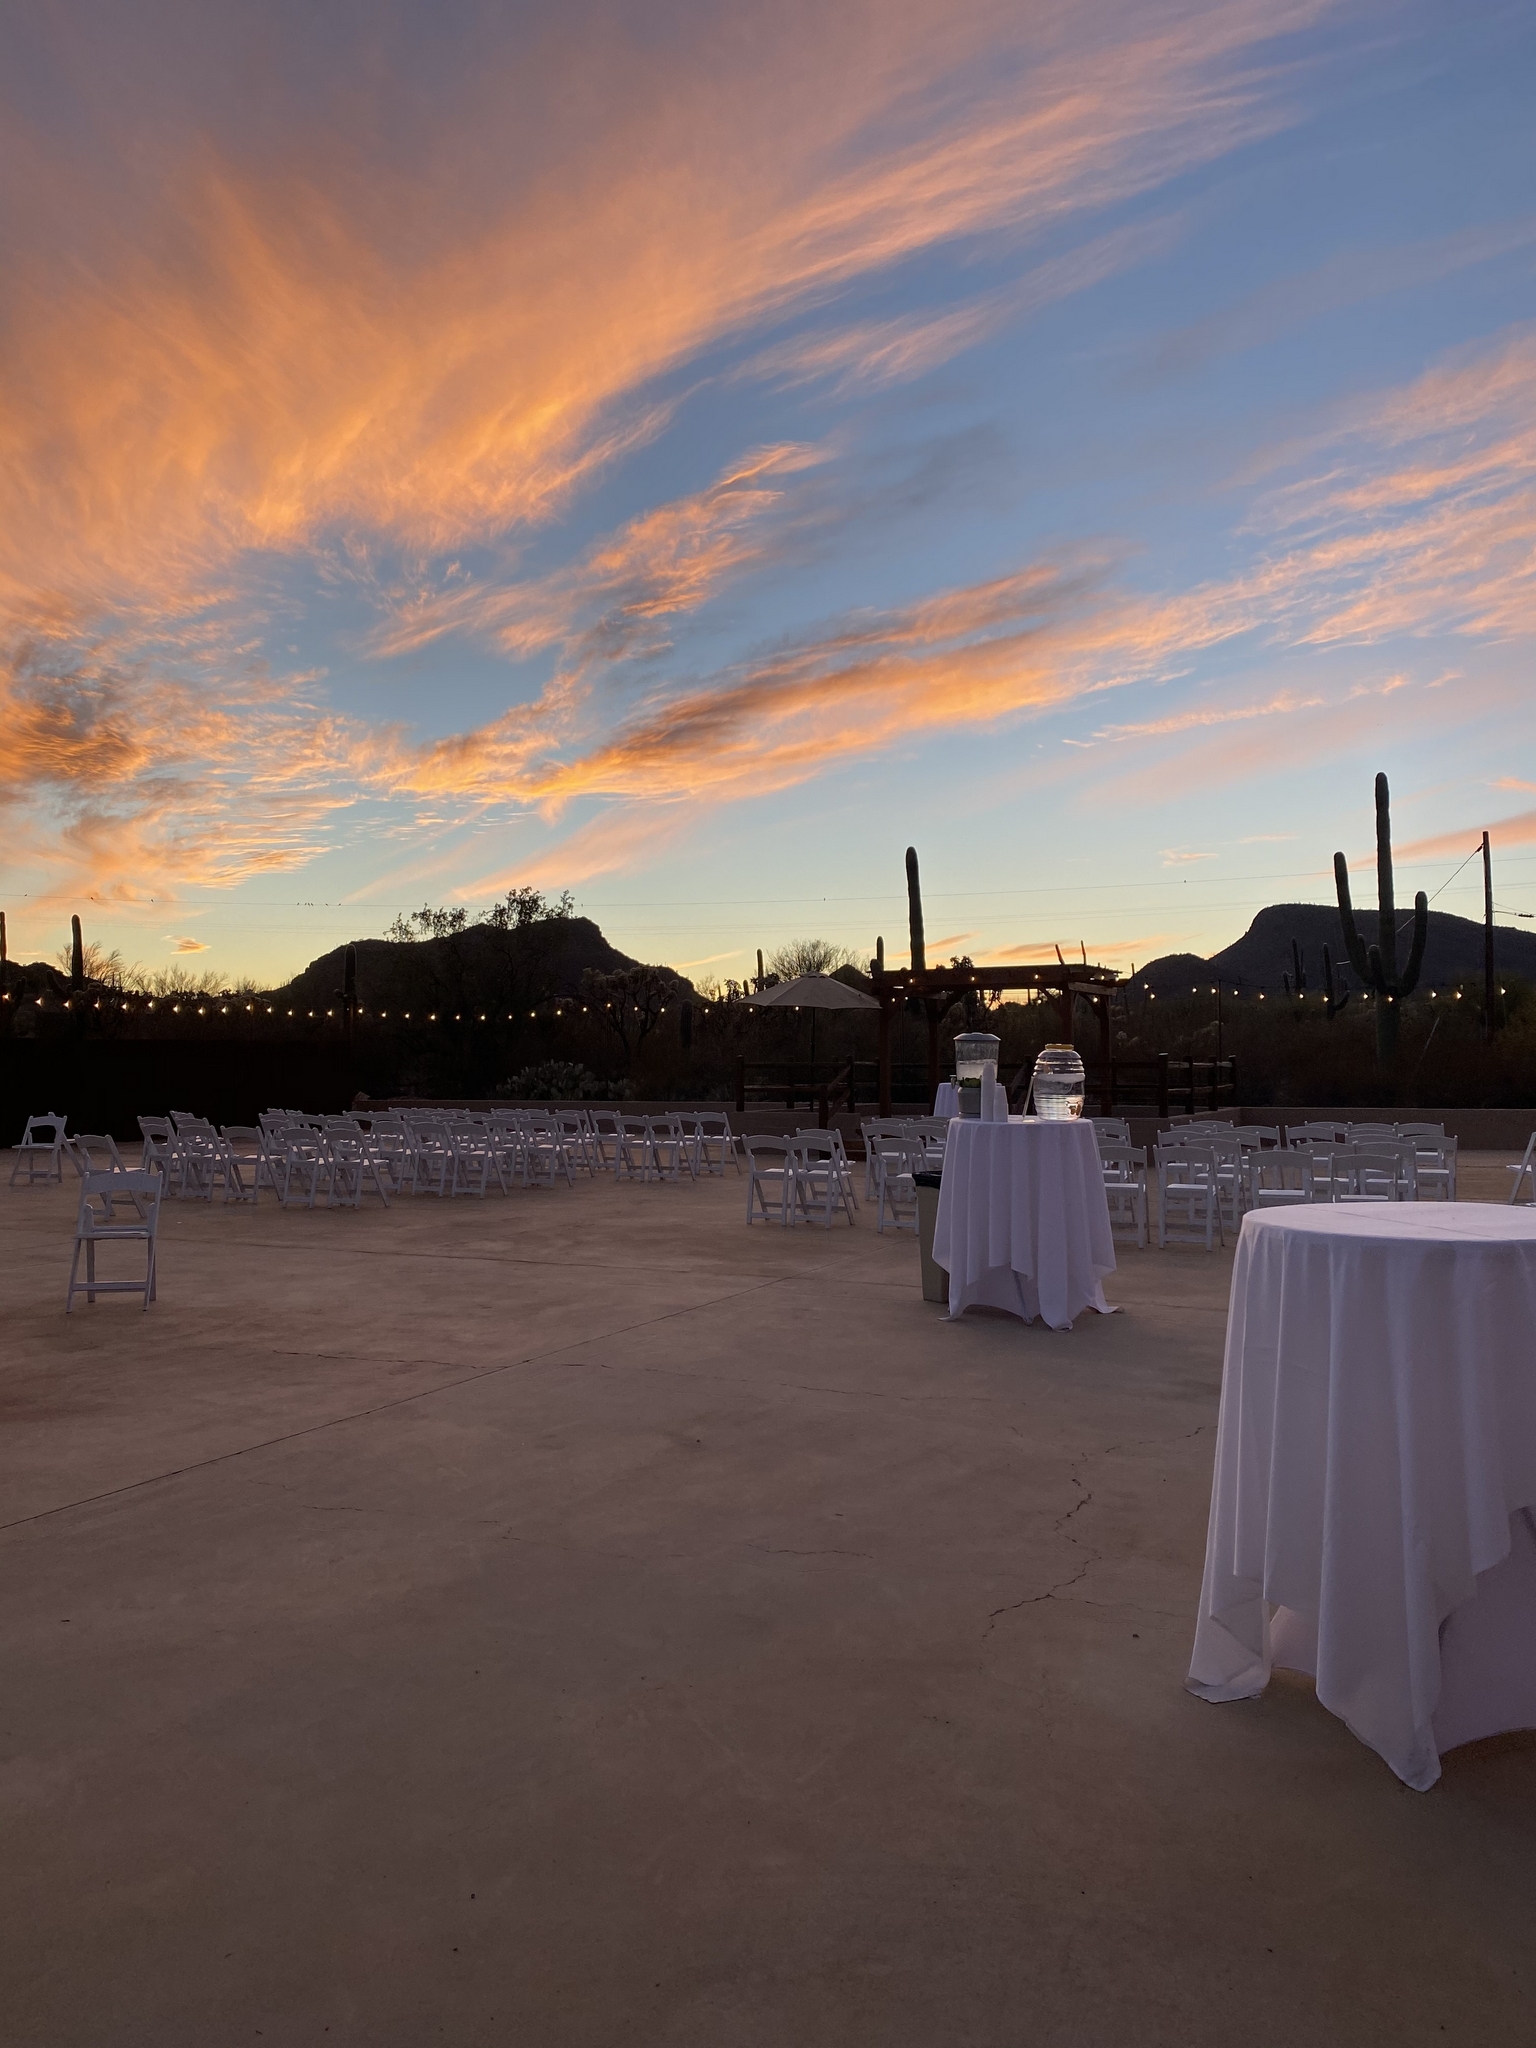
<point>1373,971</point>
<point>1386,900</point>
<point>915,913</point>
<point>1354,945</point>
<point>1410,978</point>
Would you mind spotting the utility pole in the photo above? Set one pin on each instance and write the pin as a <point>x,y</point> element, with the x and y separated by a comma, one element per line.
<point>1488,989</point>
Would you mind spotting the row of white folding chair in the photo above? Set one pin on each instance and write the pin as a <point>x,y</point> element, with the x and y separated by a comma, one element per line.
<point>190,1155</point>
<point>804,1178</point>
<point>1336,1167</point>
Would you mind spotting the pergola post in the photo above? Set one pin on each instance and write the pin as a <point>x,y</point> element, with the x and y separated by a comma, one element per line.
<point>885,1052</point>
<point>934,1015</point>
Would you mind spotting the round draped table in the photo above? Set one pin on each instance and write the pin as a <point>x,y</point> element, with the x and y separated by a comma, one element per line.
<point>1023,1223</point>
<point>1375,1465</point>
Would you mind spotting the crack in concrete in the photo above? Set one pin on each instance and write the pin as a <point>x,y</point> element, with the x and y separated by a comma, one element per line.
<point>1051,1593</point>
<point>784,1550</point>
<point>1064,1586</point>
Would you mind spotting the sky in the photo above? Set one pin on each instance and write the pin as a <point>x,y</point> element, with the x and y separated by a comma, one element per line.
<point>686,454</point>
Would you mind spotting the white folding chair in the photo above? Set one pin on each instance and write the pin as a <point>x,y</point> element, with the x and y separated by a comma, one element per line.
<point>300,1165</point>
<point>142,1188</point>
<point>1434,1159</point>
<point>1109,1130</point>
<point>633,1160</point>
<point>770,1175</point>
<point>821,1178</point>
<point>1125,1185</point>
<point>1374,1173</point>
<point>831,1141</point>
<point>895,1188</point>
<point>716,1141</point>
<point>93,1152</point>
<point>1527,1166</point>
<point>672,1148</point>
<point>41,1150</point>
<point>576,1137</point>
<point>1321,1133</point>
<point>1187,1191</point>
<point>1278,1180</point>
<point>354,1165</point>
<point>606,1136</point>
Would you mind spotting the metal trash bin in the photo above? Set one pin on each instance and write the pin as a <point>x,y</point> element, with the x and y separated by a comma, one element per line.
<point>935,1279</point>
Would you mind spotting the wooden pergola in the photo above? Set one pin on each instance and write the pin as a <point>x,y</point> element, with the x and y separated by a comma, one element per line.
<point>938,989</point>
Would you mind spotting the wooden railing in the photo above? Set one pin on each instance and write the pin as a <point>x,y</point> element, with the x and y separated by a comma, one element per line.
<point>1162,1085</point>
<point>852,1084</point>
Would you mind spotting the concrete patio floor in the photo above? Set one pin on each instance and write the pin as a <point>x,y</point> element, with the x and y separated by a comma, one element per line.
<point>576,1618</point>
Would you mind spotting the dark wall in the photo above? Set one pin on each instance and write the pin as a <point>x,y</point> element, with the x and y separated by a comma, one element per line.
<point>108,1086</point>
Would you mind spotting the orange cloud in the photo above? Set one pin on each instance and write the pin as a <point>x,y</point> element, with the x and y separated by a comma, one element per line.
<point>1519,830</point>
<point>610,602</point>
<point>445,357</point>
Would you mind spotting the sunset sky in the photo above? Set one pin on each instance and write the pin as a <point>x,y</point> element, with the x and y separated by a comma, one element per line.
<point>684,454</point>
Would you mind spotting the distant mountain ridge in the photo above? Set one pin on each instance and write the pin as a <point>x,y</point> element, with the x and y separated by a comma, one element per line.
<point>1453,951</point>
<point>481,966</point>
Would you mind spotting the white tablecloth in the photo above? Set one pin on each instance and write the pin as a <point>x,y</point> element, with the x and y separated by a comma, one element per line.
<point>1023,1223</point>
<point>1377,1435</point>
<point>947,1101</point>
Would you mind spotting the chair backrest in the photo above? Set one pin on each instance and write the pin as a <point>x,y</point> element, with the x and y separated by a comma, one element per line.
<point>140,1185</point>
<point>47,1129</point>
<point>85,1147</point>
<point>1254,1136</point>
<point>1186,1162</point>
<point>1353,1165</point>
<point>1288,1170</point>
<point>1315,1134</point>
<point>768,1146</point>
<point>1113,1130</point>
<point>1370,1134</point>
<point>1121,1162</point>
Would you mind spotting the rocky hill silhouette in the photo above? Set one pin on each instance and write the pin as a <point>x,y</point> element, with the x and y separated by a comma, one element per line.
<point>482,967</point>
<point>1453,951</point>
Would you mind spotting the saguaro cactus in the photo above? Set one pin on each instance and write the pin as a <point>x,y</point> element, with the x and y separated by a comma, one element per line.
<point>1332,1004</point>
<point>915,913</point>
<point>1377,965</point>
<point>76,954</point>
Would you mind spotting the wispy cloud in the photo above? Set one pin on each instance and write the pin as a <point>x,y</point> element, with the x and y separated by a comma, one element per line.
<point>873,354</point>
<point>614,602</point>
<point>1345,279</point>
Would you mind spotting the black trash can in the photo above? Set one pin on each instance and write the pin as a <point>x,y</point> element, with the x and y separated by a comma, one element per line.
<point>935,1279</point>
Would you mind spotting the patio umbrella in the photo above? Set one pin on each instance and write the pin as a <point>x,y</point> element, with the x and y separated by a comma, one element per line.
<point>812,992</point>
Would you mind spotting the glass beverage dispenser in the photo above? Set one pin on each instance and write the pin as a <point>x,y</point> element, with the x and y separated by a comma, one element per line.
<point>973,1051</point>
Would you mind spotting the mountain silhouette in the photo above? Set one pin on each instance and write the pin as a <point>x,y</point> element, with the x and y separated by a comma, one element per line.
<point>1453,952</point>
